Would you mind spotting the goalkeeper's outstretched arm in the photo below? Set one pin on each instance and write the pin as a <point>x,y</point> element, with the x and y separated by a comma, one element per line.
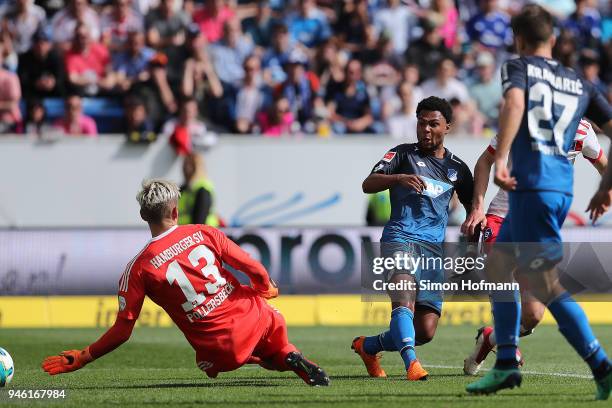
<point>72,360</point>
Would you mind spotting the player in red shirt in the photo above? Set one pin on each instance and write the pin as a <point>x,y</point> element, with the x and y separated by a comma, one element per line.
<point>180,269</point>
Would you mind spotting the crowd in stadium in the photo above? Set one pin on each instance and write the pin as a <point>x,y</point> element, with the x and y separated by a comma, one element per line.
<point>182,68</point>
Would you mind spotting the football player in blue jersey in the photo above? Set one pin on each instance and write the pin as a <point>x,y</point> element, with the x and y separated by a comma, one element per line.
<point>421,178</point>
<point>543,104</point>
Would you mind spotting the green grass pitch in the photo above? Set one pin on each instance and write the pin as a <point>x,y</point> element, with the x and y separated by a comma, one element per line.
<point>157,368</point>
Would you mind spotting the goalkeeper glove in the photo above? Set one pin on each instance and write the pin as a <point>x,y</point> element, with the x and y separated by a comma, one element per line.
<point>270,292</point>
<point>67,361</point>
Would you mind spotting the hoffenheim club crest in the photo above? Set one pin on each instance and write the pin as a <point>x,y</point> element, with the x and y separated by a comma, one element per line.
<point>452,174</point>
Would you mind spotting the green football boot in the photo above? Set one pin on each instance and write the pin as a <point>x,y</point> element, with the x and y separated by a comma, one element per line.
<point>496,380</point>
<point>604,387</point>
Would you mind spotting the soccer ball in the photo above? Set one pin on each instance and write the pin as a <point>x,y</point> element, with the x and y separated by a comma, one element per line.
<point>6,367</point>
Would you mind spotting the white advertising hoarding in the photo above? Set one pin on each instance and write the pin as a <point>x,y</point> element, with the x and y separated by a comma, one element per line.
<point>259,182</point>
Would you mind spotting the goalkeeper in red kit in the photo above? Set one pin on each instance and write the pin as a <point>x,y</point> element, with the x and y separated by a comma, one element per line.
<point>181,269</point>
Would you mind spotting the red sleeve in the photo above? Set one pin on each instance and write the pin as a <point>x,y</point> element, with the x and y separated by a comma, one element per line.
<point>239,259</point>
<point>118,334</point>
<point>131,291</point>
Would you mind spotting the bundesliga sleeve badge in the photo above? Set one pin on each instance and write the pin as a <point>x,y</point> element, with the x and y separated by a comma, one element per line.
<point>389,156</point>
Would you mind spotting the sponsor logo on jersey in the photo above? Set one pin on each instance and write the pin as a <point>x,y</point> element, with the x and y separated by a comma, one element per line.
<point>434,188</point>
<point>122,303</point>
<point>421,164</point>
<point>452,174</point>
<point>389,156</point>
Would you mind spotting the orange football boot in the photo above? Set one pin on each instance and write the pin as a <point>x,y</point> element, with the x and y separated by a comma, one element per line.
<point>371,362</point>
<point>416,372</point>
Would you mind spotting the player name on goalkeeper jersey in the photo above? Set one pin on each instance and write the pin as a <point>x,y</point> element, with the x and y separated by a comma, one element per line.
<point>176,249</point>
<point>203,310</point>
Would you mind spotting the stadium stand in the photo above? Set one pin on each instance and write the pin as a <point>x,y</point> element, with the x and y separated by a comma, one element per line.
<point>161,52</point>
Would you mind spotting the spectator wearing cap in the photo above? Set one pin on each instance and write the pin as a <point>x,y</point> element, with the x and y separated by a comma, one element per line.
<point>131,66</point>
<point>445,84</point>
<point>87,64</point>
<point>64,23</point>
<point>349,106</point>
<point>22,22</point>
<point>212,17</point>
<point>251,96</point>
<point>74,122</point>
<point>301,89</point>
<point>10,94</point>
<point>486,91</point>
<point>309,26</point>
<point>41,69</point>
<point>428,51</point>
<point>117,23</point>
<point>261,26</point>
<point>394,21</point>
<point>490,27</point>
<point>585,24</point>
<point>165,26</point>
<point>277,55</point>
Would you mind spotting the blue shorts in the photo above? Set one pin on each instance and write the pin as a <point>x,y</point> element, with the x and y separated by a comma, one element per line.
<point>431,299</point>
<point>534,221</point>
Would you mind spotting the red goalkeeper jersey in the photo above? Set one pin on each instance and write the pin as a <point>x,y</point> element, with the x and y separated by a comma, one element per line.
<point>181,270</point>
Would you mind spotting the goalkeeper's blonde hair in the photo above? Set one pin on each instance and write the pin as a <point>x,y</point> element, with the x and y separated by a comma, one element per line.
<point>157,197</point>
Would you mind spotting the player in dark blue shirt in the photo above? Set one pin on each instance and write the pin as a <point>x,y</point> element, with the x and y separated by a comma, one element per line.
<point>422,178</point>
<point>543,104</point>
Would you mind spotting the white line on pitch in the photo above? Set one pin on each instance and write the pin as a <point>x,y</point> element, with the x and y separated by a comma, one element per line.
<point>528,372</point>
<point>568,375</point>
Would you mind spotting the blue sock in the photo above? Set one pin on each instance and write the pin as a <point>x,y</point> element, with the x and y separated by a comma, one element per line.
<point>574,326</point>
<point>380,342</point>
<point>507,316</point>
<point>402,331</point>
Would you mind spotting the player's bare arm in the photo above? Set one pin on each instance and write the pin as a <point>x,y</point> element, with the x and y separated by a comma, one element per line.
<point>476,214</point>
<point>376,182</point>
<point>602,200</point>
<point>509,123</point>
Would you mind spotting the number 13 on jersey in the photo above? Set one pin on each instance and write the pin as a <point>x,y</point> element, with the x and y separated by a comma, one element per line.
<point>210,273</point>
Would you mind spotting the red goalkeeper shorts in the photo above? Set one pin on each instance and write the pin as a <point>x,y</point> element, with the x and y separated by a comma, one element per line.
<point>262,342</point>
